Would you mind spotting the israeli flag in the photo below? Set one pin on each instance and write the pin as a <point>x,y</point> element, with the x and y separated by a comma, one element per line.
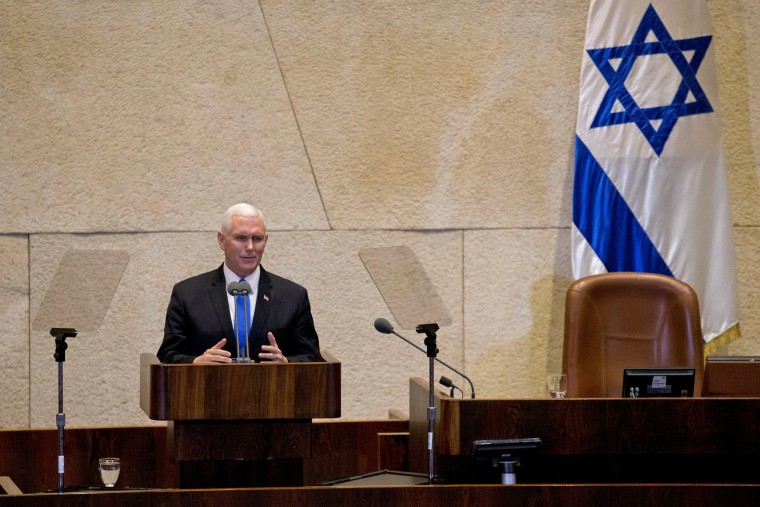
<point>650,192</point>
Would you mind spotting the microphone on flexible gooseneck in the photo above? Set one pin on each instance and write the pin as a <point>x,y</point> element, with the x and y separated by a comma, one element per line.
<point>447,382</point>
<point>384,326</point>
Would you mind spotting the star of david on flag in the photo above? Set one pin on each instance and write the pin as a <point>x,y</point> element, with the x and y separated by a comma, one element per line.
<point>650,192</point>
<point>626,56</point>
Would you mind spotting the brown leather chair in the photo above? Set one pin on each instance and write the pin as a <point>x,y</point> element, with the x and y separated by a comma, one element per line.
<point>628,320</point>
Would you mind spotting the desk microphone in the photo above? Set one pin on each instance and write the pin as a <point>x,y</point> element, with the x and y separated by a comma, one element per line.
<point>239,288</point>
<point>385,327</point>
<point>447,382</point>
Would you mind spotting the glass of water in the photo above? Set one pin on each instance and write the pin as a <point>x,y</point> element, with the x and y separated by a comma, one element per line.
<point>556,384</point>
<point>109,471</point>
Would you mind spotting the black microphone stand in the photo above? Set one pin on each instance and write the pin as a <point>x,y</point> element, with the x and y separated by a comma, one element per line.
<point>61,333</point>
<point>432,351</point>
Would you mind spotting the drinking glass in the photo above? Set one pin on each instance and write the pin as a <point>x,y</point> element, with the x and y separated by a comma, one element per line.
<point>109,471</point>
<point>556,384</point>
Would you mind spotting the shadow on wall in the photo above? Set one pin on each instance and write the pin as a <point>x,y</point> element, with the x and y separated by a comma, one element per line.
<point>517,367</point>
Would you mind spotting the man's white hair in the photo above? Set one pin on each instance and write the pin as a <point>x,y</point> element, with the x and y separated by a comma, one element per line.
<point>241,209</point>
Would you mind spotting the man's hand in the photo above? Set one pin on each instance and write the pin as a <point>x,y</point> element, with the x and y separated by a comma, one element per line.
<point>272,352</point>
<point>215,354</point>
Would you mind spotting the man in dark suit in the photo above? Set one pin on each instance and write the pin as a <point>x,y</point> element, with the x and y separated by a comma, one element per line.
<point>199,317</point>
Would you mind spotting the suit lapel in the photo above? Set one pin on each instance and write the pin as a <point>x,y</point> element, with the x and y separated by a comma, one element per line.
<point>218,295</point>
<point>263,305</point>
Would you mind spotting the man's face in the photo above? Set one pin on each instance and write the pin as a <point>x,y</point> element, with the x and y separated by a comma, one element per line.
<point>243,244</point>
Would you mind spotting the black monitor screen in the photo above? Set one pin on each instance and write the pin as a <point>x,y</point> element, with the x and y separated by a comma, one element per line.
<point>487,456</point>
<point>658,382</point>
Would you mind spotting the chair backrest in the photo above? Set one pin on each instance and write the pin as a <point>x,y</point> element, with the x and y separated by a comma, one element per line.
<point>628,320</point>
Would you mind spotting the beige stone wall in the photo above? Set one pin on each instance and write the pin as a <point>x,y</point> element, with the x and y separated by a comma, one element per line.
<point>444,126</point>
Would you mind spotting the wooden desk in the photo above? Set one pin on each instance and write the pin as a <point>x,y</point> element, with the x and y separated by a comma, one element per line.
<point>659,440</point>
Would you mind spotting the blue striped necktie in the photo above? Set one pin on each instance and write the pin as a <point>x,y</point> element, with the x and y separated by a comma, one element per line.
<point>243,324</point>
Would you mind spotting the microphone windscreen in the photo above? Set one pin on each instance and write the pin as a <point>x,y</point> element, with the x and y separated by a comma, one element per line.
<point>445,381</point>
<point>383,325</point>
<point>233,288</point>
<point>244,288</point>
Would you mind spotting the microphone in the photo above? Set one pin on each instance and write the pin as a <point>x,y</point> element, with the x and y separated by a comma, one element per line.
<point>384,326</point>
<point>239,288</point>
<point>244,288</point>
<point>447,382</point>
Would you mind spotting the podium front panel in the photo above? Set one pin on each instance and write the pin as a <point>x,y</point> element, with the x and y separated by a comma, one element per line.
<point>239,391</point>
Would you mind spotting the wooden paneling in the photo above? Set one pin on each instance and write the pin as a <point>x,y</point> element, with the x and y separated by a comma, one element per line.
<point>30,457</point>
<point>340,449</point>
<point>347,448</point>
<point>237,440</point>
<point>394,451</point>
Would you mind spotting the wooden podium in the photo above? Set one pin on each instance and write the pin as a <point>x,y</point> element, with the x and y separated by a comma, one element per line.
<point>235,425</point>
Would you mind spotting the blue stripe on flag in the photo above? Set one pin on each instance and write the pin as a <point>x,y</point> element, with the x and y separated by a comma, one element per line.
<point>603,217</point>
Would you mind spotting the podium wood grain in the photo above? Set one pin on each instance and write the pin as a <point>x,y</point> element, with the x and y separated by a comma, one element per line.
<point>240,391</point>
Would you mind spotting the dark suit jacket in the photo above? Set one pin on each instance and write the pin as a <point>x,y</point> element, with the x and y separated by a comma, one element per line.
<point>198,317</point>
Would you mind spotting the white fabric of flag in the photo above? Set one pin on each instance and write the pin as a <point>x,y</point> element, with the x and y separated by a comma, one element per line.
<point>650,191</point>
